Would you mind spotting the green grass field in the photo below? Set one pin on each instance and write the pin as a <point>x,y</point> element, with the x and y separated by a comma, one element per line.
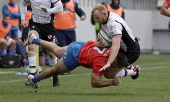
<point>153,85</point>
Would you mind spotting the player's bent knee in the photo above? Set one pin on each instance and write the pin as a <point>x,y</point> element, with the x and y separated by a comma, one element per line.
<point>9,41</point>
<point>13,42</point>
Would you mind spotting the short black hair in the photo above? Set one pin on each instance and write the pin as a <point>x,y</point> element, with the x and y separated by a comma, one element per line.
<point>6,15</point>
<point>121,59</point>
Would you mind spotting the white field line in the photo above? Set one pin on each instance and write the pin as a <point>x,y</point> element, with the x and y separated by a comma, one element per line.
<point>154,67</point>
<point>156,63</point>
<point>59,76</point>
<point>150,68</point>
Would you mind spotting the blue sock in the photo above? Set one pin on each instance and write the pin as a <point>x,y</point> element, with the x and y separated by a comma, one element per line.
<point>35,79</point>
<point>36,41</point>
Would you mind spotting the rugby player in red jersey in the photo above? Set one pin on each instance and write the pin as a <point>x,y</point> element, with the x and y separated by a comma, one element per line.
<point>85,54</point>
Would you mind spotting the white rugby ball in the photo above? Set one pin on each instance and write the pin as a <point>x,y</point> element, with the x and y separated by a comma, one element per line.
<point>106,39</point>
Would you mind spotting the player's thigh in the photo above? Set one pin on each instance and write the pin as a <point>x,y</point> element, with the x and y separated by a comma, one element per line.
<point>3,41</point>
<point>60,67</point>
<point>63,50</point>
<point>51,54</point>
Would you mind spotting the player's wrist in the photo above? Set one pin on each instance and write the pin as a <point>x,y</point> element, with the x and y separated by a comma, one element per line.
<point>112,82</point>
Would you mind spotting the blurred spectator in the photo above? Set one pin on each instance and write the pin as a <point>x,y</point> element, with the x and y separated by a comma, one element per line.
<point>115,7</point>
<point>5,39</point>
<point>65,22</point>
<point>12,9</point>
<point>93,22</point>
<point>164,9</point>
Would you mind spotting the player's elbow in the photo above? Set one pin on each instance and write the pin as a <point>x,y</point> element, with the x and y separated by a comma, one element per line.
<point>162,11</point>
<point>94,84</point>
<point>60,10</point>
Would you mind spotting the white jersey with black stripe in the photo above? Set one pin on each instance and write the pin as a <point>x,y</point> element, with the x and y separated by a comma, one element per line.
<point>38,15</point>
<point>115,25</point>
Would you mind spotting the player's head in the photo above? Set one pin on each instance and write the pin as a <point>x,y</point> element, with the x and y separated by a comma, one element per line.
<point>29,3</point>
<point>121,60</point>
<point>6,19</point>
<point>116,2</point>
<point>100,13</point>
<point>12,1</point>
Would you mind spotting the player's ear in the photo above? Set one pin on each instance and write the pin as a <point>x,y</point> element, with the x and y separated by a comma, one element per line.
<point>121,59</point>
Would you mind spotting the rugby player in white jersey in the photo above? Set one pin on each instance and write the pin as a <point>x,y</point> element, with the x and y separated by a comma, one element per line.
<point>41,25</point>
<point>122,38</point>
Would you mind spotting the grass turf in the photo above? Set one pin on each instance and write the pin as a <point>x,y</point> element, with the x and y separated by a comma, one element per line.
<point>151,86</point>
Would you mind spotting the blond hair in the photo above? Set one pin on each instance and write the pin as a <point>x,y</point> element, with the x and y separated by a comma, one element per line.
<point>101,8</point>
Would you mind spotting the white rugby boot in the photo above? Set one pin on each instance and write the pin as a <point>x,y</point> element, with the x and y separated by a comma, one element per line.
<point>32,84</point>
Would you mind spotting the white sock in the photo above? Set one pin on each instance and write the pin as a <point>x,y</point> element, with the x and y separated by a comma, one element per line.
<point>32,61</point>
<point>52,62</point>
<point>120,74</point>
<point>130,67</point>
<point>130,72</point>
<point>32,65</point>
<point>125,72</point>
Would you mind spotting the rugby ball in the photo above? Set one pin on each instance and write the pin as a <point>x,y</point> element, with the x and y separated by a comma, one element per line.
<point>105,38</point>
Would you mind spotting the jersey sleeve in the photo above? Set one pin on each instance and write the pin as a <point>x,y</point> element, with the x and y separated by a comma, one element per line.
<point>55,1</point>
<point>167,2</point>
<point>58,7</point>
<point>115,28</point>
<point>23,8</point>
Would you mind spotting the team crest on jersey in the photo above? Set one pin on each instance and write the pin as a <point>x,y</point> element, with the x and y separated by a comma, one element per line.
<point>49,36</point>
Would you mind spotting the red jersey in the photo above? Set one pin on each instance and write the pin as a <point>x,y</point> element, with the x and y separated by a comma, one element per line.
<point>93,57</point>
<point>167,2</point>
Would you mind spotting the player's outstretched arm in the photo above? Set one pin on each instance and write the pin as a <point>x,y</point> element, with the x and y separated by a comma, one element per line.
<point>113,52</point>
<point>96,81</point>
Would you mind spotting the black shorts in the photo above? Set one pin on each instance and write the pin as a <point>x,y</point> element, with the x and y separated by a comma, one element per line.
<point>45,31</point>
<point>132,54</point>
